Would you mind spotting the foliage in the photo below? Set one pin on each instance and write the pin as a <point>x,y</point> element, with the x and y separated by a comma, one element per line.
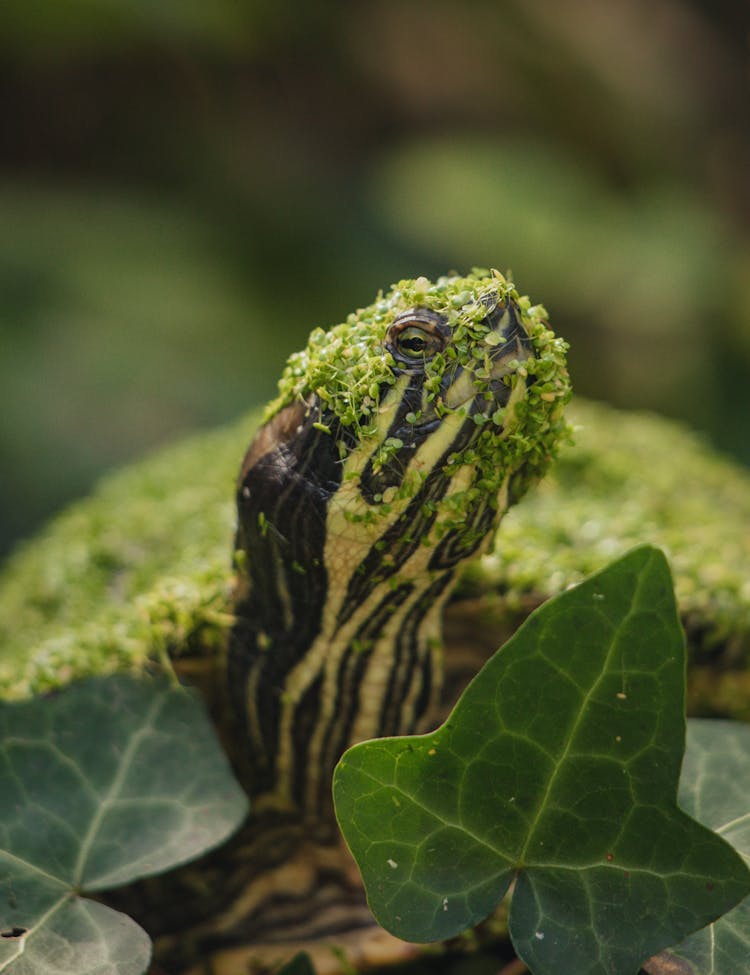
<point>715,788</point>
<point>559,768</point>
<point>111,780</point>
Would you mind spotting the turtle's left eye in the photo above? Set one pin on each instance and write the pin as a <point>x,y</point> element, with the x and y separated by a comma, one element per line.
<point>415,343</point>
<point>415,340</point>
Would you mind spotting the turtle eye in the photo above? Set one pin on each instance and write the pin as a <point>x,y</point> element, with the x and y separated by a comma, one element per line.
<point>416,343</point>
<point>416,340</point>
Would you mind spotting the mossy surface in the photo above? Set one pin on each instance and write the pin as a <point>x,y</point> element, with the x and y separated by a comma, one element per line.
<point>139,568</point>
<point>143,566</point>
<point>633,478</point>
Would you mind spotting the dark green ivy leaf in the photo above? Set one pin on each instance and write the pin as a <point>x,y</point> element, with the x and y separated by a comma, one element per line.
<point>715,788</point>
<point>111,780</point>
<point>558,768</point>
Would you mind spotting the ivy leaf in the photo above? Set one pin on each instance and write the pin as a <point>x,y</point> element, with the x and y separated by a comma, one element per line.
<point>111,780</point>
<point>715,788</point>
<point>79,937</point>
<point>558,767</point>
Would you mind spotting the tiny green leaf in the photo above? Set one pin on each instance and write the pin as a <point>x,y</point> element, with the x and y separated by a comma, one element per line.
<point>558,767</point>
<point>715,788</point>
<point>300,964</point>
<point>111,780</point>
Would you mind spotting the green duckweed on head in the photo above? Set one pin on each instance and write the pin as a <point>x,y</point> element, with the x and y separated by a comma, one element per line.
<point>349,369</point>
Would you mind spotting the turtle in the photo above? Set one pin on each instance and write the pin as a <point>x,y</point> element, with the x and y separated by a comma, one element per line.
<point>398,442</point>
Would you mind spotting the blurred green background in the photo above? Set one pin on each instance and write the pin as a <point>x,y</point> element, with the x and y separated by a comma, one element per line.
<point>187,187</point>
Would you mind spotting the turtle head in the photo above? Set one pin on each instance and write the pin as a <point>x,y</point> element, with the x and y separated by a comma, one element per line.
<point>441,398</point>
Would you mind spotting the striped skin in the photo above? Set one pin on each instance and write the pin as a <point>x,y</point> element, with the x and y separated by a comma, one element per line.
<point>349,564</point>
